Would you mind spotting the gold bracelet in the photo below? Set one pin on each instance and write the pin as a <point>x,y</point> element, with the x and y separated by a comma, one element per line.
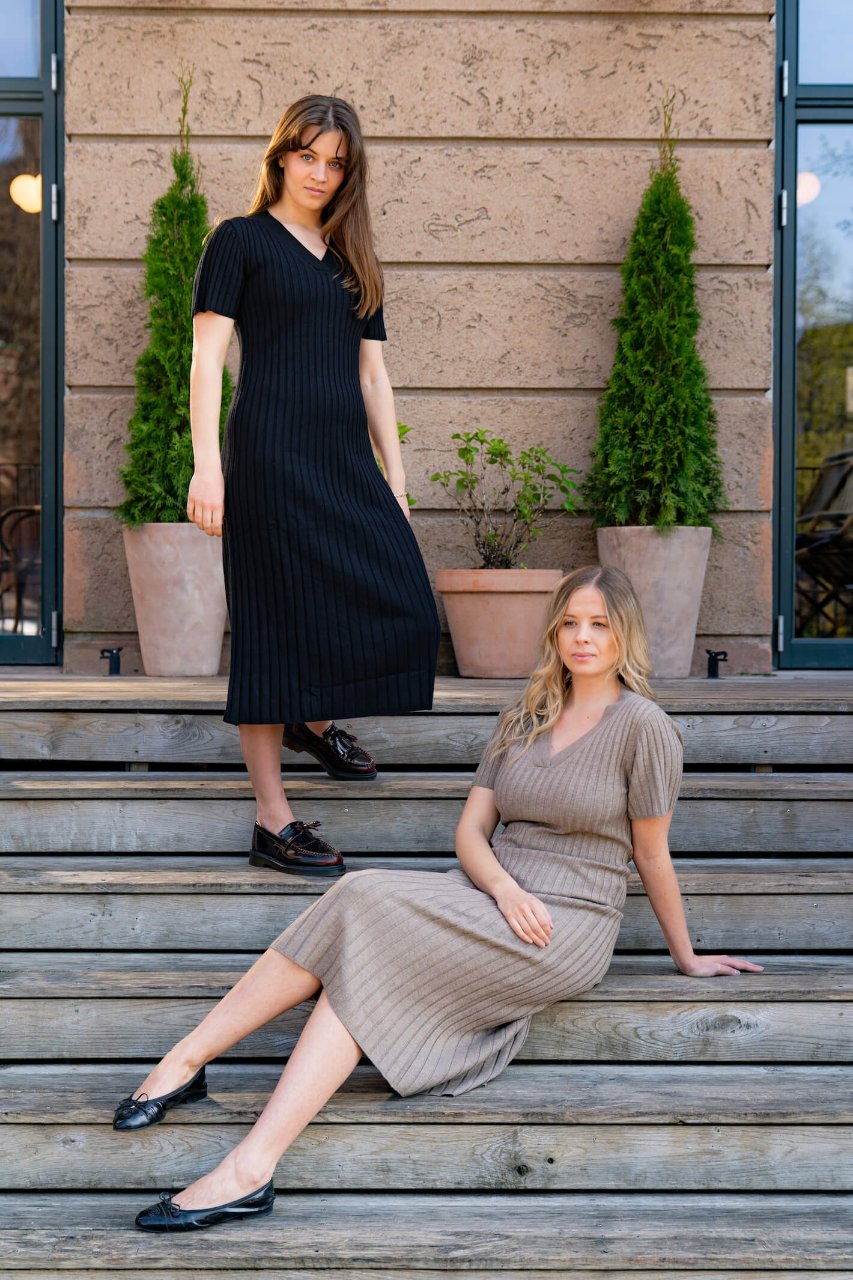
<point>401,495</point>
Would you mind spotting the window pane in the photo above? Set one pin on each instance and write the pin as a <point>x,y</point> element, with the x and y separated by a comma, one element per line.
<point>824,440</point>
<point>826,42</point>
<point>20,47</point>
<point>20,374</point>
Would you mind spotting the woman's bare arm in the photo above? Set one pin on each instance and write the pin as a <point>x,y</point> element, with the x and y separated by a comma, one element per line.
<point>525,914</point>
<point>382,416</point>
<point>206,496</point>
<point>654,865</point>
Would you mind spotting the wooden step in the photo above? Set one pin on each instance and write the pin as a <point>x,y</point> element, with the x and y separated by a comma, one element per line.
<point>530,1093</point>
<point>400,812</point>
<point>789,691</point>
<point>514,1231</point>
<point>180,874</point>
<point>180,974</point>
<point>443,1157</point>
<point>255,909</point>
<point>441,741</point>
<point>548,1128</point>
<point>582,1031</point>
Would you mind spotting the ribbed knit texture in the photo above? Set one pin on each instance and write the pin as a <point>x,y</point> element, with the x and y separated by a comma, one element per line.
<point>422,968</point>
<point>331,609</point>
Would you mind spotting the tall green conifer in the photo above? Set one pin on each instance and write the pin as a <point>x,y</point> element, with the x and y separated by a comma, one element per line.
<point>160,447</point>
<point>655,461</point>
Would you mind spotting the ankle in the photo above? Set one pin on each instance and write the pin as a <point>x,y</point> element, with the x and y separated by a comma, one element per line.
<point>274,820</point>
<point>252,1167</point>
<point>186,1058</point>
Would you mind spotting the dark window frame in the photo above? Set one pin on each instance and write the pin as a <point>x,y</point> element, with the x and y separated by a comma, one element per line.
<point>804,104</point>
<point>35,97</point>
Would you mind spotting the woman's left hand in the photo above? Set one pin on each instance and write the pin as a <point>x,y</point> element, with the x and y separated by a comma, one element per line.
<point>716,966</point>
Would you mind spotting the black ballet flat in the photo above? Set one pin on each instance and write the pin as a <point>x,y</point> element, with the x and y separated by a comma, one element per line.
<point>139,1113</point>
<point>165,1215</point>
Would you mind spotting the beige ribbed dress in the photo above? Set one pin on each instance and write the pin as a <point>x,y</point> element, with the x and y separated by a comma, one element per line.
<point>421,966</point>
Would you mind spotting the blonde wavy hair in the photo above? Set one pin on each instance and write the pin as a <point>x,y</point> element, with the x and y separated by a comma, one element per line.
<point>346,220</point>
<point>540,704</point>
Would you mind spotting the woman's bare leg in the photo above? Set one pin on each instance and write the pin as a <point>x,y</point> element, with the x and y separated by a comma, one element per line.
<point>272,985</point>
<point>261,747</point>
<point>324,1056</point>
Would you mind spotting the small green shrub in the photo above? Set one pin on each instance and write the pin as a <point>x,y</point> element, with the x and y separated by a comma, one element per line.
<point>158,474</point>
<point>501,497</point>
<point>655,461</point>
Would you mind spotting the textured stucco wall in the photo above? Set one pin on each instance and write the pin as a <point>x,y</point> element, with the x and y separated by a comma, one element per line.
<point>508,151</point>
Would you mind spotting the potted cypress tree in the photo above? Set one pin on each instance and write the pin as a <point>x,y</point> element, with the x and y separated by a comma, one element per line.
<point>175,569</point>
<point>496,612</point>
<point>656,475</point>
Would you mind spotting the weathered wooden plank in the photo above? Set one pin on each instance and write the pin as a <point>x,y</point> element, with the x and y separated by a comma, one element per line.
<point>584,1031</point>
<point>443,1157</point>
<point>502,1232</point>
<point>183,738</point>
<point>399,1273</point>
<point>827,693</point>
<point>437,785</point>
<point>817,922</point>
<point>178,874</point>
<point>525,1093</point>
<point>63,825</point>
<point>51,974</point>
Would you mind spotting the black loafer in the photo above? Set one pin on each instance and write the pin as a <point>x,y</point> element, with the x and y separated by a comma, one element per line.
<point>335,749</point>
<point>139,1113</point>
<point>296,851</point>
<point>165,1215</point>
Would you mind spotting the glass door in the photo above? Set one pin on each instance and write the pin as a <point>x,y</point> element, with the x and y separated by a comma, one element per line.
<point>30,345</point>
<point>815,336</point>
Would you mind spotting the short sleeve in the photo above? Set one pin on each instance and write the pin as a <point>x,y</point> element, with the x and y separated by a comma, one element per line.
<point>655,774</point>
<point>218,284</point>
<point>376,326</point>
<point>489,766</point>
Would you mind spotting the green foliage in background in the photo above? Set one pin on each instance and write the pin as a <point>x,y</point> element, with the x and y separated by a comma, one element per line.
<point>655,461</point>
<point>158,474</point>
<point>502,498</point>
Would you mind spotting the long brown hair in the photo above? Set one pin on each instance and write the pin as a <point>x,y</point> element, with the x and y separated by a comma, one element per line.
<point>540,705</point>
<point>346,218</point>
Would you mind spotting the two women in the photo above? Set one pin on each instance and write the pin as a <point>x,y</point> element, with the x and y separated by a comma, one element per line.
<point>331,609</point>
<point>436,976</point>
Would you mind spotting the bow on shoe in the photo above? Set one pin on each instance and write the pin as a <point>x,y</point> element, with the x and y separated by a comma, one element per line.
<point>168,1208</point>
<point>129,1106</point>
<point>344,743</point>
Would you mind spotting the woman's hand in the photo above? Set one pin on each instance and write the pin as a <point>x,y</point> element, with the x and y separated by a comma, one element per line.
<point>206,501</point>
<point>403,503</point>
<point>716,966</point>
<point>525,914</point>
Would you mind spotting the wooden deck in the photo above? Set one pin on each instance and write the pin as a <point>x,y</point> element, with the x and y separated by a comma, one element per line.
<point>657,1127</point>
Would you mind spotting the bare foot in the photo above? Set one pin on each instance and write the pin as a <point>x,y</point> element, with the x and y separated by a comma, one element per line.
<point>236,1177</point>
<point>171,1073</point>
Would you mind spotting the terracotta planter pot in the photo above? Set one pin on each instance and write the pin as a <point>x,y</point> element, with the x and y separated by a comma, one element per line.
<point>496,617</point>
<point>668,573</point>
<point>179,598</point>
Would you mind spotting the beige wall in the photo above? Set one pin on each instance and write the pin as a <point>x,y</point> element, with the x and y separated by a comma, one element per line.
<point>508,151</point>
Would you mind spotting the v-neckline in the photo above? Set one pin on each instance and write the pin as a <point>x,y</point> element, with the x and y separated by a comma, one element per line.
<point>296,240</point>
<point>550,759</point>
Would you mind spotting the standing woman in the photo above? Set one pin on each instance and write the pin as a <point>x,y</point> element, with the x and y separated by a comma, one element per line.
<point>331,609</point>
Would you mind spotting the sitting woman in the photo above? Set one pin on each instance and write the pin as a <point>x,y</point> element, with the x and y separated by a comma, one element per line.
<point>436,976</point>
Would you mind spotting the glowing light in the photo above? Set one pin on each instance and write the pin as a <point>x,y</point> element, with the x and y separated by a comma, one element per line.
<point>25,190</point>
<point>808,188</point>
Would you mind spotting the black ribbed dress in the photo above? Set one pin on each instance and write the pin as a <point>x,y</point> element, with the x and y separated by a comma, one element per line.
<point>331,609</point>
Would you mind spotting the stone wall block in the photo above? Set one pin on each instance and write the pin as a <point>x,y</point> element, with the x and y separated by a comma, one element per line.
<point>449,202</point>
<point>738,594</point>
<point>536,76</point>
<point>95,434</point>
<point>467,328</point>
<point>756,8</point>
<point>97,588</point>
